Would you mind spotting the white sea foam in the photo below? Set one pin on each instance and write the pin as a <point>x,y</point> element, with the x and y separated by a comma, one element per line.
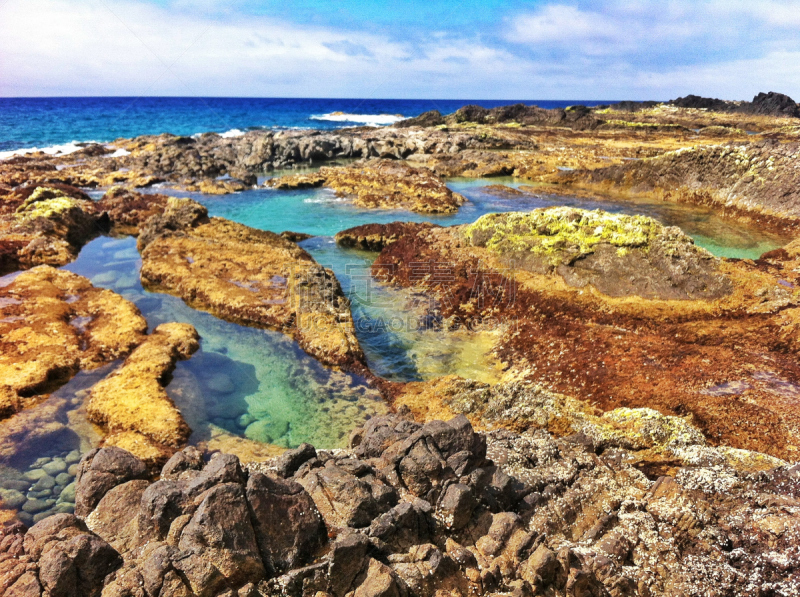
<point>64,149</point>
<point>120,153</point>
<point>368,119</point>
<point>231,134</point>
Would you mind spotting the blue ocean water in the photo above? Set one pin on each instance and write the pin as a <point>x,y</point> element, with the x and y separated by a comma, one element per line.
<point>45,122</point>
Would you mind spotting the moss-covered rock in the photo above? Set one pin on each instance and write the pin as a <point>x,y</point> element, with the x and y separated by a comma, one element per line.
<point>618,254</point>
<point>45,202</point>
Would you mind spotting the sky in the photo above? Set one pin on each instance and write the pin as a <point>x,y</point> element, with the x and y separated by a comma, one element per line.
<point>451,49</point>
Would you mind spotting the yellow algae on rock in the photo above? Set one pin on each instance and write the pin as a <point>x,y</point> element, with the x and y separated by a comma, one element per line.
<point>134,399</point>
<point>256,278</point>
<point>54,323</point>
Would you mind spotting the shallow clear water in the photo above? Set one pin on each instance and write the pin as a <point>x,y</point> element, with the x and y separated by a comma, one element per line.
<point>250,382</point>
<point>259,385</point>
<point>386,319</point>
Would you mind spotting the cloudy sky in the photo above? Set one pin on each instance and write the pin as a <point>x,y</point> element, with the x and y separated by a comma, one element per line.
<point>459,49</point>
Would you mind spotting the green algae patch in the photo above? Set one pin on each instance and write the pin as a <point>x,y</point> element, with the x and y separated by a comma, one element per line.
<point>556,232</point>
<point>45,202</point>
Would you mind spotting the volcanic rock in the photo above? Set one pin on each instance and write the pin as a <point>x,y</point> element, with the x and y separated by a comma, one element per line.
<point>253,277</point>
<point>134,399</point>
<point>55,323</point>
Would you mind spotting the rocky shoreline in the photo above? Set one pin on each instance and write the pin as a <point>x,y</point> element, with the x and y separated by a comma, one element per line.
<point>414,509</point>
<point>642,440</point>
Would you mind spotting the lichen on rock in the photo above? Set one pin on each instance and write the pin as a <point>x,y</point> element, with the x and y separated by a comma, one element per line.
<point>55,323</point>
<point>133,398</point>
<point>620,255</point>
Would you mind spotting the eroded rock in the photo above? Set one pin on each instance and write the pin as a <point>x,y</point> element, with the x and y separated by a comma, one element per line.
<point>55,323</point>
<point>256,278</point>
<point>133,398</point>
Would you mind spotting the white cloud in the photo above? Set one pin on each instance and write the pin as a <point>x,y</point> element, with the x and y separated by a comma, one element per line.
<point>623,49</point>
<point>94,47</point>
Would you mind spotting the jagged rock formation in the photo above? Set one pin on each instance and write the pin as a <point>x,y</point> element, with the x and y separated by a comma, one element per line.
<point>758,180</point>
<point>689,356</point>
<point>381,184</point>
<point>413,510</point>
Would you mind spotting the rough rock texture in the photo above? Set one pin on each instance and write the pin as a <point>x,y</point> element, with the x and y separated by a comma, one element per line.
<point>255,278</point>
<point>381,184</point>
<point>729,361</point>
<point>46,225</point>
<point>446,511</point>
<point>374,237</point>
<point>54,323</point>
<point>129,210</point>
<point>759,179</point>
<point>770,104</point>
<point>617,254</point>
<point>133,398</point>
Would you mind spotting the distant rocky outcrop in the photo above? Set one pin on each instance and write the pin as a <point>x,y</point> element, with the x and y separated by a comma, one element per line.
<point>381,184</point>
<point>767,104</point>
<point>413,510</point>
<point>426,119</point>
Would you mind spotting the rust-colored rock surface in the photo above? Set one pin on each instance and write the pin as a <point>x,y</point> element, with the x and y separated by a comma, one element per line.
<point>730,362</point>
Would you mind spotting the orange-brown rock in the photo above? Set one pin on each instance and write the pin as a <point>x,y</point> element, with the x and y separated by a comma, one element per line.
<point>54,323</point>
<point>730,361</point>
<point>129,210</point>
<point>46,225</point>
<point>256,278</point>
<point>132,404</point>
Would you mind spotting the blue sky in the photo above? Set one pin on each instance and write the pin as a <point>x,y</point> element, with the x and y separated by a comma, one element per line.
<point>622,49</point>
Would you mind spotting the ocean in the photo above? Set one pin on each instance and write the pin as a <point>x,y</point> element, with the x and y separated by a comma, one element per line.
<point>59,124</point>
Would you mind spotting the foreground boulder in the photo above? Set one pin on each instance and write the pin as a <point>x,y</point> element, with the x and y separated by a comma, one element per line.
<point>249,276</point>
<point>381,184</point>
<point>415,510</point>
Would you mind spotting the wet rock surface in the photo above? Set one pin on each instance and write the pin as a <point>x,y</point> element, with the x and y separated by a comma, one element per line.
<point>55,323</point>
<point>440,508</point>
<point>253,277</point>
<point>381,184</point>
